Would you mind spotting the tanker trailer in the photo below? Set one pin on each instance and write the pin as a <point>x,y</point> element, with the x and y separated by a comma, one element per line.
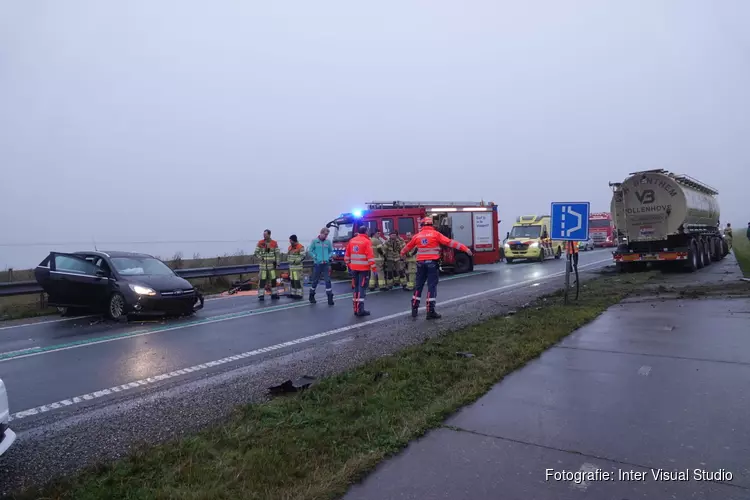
<point>663,217</point>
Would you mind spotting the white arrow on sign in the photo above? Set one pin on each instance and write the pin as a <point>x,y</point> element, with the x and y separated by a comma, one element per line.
<point>575,214</point>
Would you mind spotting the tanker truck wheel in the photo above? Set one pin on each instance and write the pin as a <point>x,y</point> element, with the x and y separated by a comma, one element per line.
<point>706,244</point>
<point>716,249</point>
<point>701,254</point>
<point>694,259</point>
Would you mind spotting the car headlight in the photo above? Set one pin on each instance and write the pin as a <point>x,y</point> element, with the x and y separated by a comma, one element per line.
<point>534,244</point>
<point>142,290</point>
<point>507,245</point>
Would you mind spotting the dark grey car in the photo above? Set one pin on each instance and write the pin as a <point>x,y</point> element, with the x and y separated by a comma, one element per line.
<point>115,283</point>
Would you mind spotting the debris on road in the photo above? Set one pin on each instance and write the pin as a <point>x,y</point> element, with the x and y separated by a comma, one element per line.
<point>298,385</point>
<point>465,354</point>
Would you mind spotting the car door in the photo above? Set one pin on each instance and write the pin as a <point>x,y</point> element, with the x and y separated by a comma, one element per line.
<point>98,292</point>
<point>72,280</point>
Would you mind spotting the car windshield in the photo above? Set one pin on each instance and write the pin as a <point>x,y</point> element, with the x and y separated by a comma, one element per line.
<point>532,232</point>
<point>598,223</point>
<point>343,233</point>
<point>136,266</point>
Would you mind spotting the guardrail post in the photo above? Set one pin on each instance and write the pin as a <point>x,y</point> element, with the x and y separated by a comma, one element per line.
<point>42,301</point>
<point>10,274</point>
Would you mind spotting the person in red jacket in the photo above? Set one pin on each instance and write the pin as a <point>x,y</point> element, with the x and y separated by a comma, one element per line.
<point>360,260</point>
<point>428,242</point>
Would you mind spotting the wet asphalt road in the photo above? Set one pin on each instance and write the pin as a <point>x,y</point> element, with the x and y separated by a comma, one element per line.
<point>49,365</point>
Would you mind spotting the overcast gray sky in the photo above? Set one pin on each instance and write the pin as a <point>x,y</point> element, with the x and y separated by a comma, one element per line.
<point>183,120</point>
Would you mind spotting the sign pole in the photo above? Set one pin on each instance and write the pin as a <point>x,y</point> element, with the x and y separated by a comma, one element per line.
<point>567,273</point>
<point>570,223</point>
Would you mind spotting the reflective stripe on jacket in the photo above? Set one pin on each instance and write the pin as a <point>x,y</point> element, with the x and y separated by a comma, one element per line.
<point>295,255</point>
<point>377,248</point>
<point>320,251</point>
<point>358,255</point>
<point>268,252</point>
<point>428,242</point>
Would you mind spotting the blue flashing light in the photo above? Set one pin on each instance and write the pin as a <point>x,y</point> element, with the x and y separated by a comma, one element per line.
<point>357,213</point>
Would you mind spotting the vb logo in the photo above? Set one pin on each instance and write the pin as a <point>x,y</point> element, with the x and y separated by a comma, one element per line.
<point>646,197</point>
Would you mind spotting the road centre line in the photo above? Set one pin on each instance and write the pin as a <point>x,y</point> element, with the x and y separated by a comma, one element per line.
<point>204,366</point>
<point>36,351</point>
<point>46,322</point>
<point>210,298</point>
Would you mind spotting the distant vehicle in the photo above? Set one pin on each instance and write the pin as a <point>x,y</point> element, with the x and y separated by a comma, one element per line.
<point>115,283</point>
<point>662,217</point>
<point>584,246</point>
<point>473,223</point>
<point>7,436</point>
<point>529,239</point>
<point>602,229</point>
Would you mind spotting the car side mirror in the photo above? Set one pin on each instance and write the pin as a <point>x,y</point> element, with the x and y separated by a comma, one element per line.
<point>507,235</point>
<point>101,273</point>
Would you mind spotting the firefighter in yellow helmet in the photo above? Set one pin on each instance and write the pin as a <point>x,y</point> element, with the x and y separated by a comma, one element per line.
<point>269,254</point>
<point>377,277</point>
<point>411,265</point>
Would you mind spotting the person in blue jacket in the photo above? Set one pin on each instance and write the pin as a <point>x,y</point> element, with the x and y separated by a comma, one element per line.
<point>321,252</point>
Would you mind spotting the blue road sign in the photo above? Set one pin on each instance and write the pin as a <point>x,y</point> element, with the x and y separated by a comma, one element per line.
<point>570,221</point>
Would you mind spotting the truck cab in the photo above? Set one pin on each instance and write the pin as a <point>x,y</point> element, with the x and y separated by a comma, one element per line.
<point>529,239</point>
<point>383,221</point>
<point>602,229</point>
<point>475,224</point>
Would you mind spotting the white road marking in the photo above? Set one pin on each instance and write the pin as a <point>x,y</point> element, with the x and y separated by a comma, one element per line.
<point>35,323</point>
<point>583,485</point>
<point>644,370</point>
<point>263,350</point>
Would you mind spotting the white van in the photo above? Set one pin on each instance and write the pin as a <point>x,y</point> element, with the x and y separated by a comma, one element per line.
<point>7,436</point>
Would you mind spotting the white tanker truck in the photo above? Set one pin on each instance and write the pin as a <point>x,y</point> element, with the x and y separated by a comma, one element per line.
<point>663,217</point>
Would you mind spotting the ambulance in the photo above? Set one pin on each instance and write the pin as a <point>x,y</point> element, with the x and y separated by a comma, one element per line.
<point>529,239</point>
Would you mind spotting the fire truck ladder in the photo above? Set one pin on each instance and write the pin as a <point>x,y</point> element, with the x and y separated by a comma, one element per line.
<point>374,205</point>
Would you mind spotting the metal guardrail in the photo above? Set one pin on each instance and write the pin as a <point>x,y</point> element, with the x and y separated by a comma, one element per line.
<point>32,287</point>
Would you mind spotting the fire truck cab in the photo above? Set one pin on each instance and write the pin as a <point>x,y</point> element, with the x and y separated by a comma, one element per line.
<point>602,229</point>
<point>475,224</point>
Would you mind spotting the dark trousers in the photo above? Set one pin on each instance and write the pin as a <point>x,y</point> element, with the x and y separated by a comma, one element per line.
<point>427,271</point>
<point>321,271</point>
<point>360,282</point>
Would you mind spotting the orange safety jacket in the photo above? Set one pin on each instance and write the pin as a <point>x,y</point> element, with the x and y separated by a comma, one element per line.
<point>359,255</point>
<point>428,242</point>
<point>571,247</point>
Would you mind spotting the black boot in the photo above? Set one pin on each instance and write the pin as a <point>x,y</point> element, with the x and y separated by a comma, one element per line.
<point>431,313</point>
<point>312,297</point>
<point>330,299</point>
<point>274,296</point>
<point>362,311</point>
<point>414,308</point>
<point>261,298</point>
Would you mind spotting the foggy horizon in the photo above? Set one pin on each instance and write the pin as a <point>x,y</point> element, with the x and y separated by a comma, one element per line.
<point>190,122</point>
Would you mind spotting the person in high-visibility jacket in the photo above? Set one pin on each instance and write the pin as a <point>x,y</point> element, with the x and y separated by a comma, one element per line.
<point>377,277</point>
<point>411,265</point>
<point>392,247</point>
<point>267,251</point>
<point>295,256</point>
<point>360,261</point>
<point>428,242</point>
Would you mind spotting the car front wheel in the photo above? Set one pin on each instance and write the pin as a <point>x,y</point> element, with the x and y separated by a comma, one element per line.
<point>116,307</point>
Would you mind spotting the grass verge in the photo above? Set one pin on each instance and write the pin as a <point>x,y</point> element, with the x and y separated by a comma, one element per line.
<point>741,247</point>
<point>312,445</point>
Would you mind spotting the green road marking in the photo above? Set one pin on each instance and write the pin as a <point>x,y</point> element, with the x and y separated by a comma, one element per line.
<point>211,319</point>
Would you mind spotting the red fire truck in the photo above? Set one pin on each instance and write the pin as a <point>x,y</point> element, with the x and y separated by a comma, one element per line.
<point>602,229</point>
<point>475,224</point>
